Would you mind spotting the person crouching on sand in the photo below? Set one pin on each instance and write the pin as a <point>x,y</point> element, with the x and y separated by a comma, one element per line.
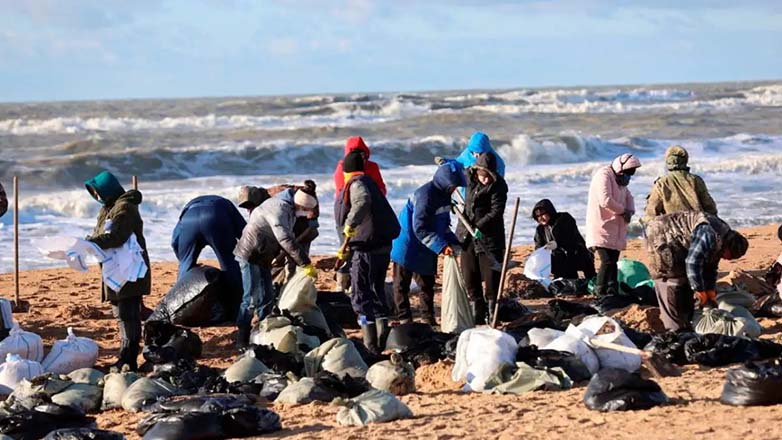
<point>269,231</point>
<point>368,222</point>
<point>609,209</point>
<point>558,232</point>
<point>118,219</point>
<point>685,249</point>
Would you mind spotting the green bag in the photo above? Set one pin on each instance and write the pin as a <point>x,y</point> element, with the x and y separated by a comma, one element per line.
<point>633,273</point>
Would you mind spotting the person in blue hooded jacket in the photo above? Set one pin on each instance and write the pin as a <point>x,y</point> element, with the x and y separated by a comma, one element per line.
<point>210,221</point>
<point>479,144</point>
<point>426,233</point>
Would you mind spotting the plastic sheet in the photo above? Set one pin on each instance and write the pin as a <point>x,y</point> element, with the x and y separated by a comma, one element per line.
<point>613,389</point>
<point>537,267</point>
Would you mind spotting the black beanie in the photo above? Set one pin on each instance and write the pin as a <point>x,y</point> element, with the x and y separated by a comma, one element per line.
<point>353,162</point>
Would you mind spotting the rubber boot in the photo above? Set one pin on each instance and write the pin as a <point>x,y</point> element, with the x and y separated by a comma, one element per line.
<point>243,337</point>
<point>130,336</point>
<point>479,311</point>
<point>383,330</point>
<point>369,332</point>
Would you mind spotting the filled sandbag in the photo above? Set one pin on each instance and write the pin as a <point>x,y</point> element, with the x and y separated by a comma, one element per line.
<point>245,369</point>
<point>577,347</point>
<point>89,376</point>
<point>522,378</point>
<point>114,387</point>
<point>752,328</point>
<point>717,321</point>
<point>299,293</point>
<point>279,332</point>
<point>455,311</point>
<point>70,354</point>
<point>144,391</point>
<point>165,342</point>
<point>14,370</point>
<point>28,345</point>
<point>608,330</point>
<point>374,406</point>
<point>200,298</point>
<point>84,434</point>
<point>81,396</point>
<point>734,296</point>
<point>541,337</point>
<point>338,356</point>
<point>479,352</point>
<point>38,390</point>
<point>394,375</point>
<point>304,391</point>
<point>537,267</point>
<point>754,383</point>
<point>615,389</point>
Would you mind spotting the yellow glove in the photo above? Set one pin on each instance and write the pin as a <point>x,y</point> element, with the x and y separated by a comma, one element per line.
<point>310,271</point>
<point>349,231</point>
<point>343,255</point>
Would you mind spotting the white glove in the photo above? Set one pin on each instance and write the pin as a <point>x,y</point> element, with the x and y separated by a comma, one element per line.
<point>551,245</point>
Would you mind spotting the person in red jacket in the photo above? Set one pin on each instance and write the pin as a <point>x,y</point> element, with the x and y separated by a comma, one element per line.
<point>370,168</point>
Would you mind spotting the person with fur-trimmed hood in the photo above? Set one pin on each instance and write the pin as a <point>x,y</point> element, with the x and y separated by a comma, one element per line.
<point>679,190</point>
<point>685,249</point>
<point>118,219</point>
<point>369,224</point>
<point>426,233</point>
<point>484,209</point>
<point>609,210</point>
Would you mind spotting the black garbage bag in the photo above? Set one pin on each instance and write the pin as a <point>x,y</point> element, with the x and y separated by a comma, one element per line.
<point>84,434</point>
<point>768,306</point>
<point>614,389</point>
<point>569,286</point>
<point>184,426</point>
<point>613,302</point>
<point>338,310</point>
<point>570,363</point>
<point>718,350</point>
<point>273,384</point>
<point>418,343</point>
<point>199,299</point>
<point>41,420</point>
<point>185,374</point>
<point>670,345</point>
<point>165,342</point>
<point>250,421</point>
<point>347,386</point>
<point>298,321</point>
<point>562,310</point>
<point>754,383</point>
<point>646,295</point>
<point>450,348</point>
<point>511,309</point>
<point>639,338</point>
<point>520,327</point>
<point>276,360</point>
<point>201,403</point>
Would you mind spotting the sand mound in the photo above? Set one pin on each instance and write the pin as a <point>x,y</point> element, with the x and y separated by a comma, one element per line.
<point>83,311</point>
<point>520,286</point>
<point>435,377</point>
<point>641,318</point>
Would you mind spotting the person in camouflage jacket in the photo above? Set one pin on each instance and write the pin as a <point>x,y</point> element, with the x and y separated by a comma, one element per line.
<point>679,190</point>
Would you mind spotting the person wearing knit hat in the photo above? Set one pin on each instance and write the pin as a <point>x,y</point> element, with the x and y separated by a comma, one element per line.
<point>356,144</point>
<point>369,225</point>
<point>685,271</point>
<point>270,233</point>
<point>679,190</point>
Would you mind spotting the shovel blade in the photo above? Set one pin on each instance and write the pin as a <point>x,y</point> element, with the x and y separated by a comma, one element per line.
<point>660,367</point>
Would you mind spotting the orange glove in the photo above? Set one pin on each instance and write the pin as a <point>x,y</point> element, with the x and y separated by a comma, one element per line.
<point>706,297</point>
<point>448,251</point>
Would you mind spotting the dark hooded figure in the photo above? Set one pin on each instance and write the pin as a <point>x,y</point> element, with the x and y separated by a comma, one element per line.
<point>484,209</point>
<point>118,219</point>
<point>558,232</point>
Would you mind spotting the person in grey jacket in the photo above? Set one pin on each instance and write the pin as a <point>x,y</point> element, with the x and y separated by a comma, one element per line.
<point>269,230</point>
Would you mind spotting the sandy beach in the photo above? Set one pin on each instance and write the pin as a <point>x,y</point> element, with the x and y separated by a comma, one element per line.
<point>61,297</point>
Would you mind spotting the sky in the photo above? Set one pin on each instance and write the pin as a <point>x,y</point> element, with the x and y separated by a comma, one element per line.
<point>104,49</point>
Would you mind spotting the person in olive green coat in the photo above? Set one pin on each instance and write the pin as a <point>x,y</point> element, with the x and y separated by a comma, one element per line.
<point>679,190</point>
<point>117,220</point>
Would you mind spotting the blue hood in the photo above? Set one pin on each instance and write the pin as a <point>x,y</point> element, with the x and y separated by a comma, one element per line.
<point>287,196</point>
<point>449,175</point>
<point>107,186</point>
<point>479,144</point>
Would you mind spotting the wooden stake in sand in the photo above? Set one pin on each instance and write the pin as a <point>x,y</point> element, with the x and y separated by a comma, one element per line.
<point>16,239</point>
<point>505,261</point>
<point>134,182</point>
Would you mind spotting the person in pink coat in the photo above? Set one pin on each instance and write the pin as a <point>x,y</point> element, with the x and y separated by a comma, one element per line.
<point>609,210</point>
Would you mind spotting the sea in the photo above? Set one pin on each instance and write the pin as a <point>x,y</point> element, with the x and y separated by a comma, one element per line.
<point>552,140</point>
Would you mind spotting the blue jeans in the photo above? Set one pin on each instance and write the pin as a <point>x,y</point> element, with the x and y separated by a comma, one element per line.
<point>257,292</point>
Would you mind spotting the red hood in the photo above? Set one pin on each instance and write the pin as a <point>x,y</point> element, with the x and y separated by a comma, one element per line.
<point>356,143</point>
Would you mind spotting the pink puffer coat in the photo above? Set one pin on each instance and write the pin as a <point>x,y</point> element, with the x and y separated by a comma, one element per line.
<point>605,226</point>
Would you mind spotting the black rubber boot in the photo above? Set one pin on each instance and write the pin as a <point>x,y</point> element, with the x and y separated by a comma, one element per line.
<point>369,332</point>
<point>479,311</point>
<point>130,336</point>
<point>243,337</point>
<point>383,329</point>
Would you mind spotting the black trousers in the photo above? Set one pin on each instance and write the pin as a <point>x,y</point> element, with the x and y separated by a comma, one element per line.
<point>368,284</point>
<point>128,314</point>
<point>607,273</point>
<point>402,279</point>
<point>477,273</point>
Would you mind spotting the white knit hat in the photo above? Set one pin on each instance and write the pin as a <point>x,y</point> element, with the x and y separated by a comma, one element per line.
<point>305,200</point>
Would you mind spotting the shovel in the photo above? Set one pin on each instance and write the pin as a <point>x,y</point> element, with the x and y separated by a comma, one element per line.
<point>654,362</point>
<point>495,265</point>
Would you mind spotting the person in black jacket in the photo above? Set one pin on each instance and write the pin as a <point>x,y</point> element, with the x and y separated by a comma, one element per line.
<point>484,209</point>
<point>558,232</point>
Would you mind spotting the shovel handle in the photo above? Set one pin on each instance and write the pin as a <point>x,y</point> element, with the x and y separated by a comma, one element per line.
<point>342,249</point>
<point>617,347</point>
